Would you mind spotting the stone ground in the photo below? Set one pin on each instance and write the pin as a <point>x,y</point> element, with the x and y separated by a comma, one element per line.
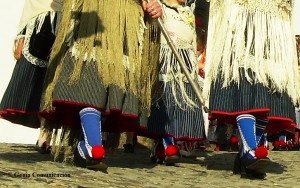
<point>22,166</point>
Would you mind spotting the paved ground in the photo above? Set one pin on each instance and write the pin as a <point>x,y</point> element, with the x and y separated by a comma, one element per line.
<point>21,166</point>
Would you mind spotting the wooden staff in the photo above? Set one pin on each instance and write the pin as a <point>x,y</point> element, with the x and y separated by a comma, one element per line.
<point>181,63</point>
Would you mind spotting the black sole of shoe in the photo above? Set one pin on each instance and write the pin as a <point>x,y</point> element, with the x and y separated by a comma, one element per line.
<point>253,176</point>
<point>171,160</point>
<point>259,164</point>
<point>101,166</point>
<point>91,164</point>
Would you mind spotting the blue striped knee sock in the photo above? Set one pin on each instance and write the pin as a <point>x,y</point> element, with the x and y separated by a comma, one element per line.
<point>91,127</point>
<point>261,125</point>
<point>167,140</point>
<point>246,126</point>
<point>169,145</point>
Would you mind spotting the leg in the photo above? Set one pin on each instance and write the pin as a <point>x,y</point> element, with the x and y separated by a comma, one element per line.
<point>171,151</point>
<point>165,151</point>
<point>251,159</point>
<point>43,142</point>
<point>90,151</point>
<point>261,125</point>
<point>128,146</point>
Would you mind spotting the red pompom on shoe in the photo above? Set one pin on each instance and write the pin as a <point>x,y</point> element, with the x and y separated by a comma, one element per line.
<point>282,143</point>
<point>276,143</point>
<point>98,152</point>
<point>172,150</point>
<point>261,152</point>
<point>233,140</point>
<point>217,148</point>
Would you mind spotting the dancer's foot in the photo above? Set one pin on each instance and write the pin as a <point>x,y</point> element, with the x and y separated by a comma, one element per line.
<point>279,146</point>
<point>172,155</point>
<point>45,148</point>
<point>128,148</point>
<point>89,162</point>
<point>158,153</point>
<point>254,169</point>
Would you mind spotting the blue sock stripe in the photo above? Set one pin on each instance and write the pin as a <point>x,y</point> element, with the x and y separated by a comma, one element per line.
<point>87,146</point>
<point>245,116</point>
<point>90,113</point>
<point>261,125</point>
<point>282,138</point>
<point>89,110</point>
<point>262,122</point>
<point>263,140</point>
<point>168,140</point>
<point>81,148</point>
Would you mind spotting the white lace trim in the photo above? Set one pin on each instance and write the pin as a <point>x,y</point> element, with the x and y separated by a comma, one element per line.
<point>36,22</point>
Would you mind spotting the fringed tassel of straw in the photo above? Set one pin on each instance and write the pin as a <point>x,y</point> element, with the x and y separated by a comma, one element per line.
<point>64,142</point>
<point>111,34</point>
<point>64,37</point>
<point>84,44</point>
<point>123,34</point>
<point>51,131</point>
<point>56,146</point>
<point>70,142</point>
<point>134,44</point>
<point>150,59</point>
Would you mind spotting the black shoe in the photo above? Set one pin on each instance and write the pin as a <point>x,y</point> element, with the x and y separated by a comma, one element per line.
<point>156,159</point>
<point>254,174</point>
<point>257,168</point>
<point>237,164</point>
<point>89,163</point>
<point>157,154</point>
<point>128,148</point>
<point>171,160</point>
<point>44,149</point>
<point>78,160</point>
<point>255,164</point>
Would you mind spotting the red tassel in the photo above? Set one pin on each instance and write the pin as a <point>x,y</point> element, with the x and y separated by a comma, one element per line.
<point>98,152</point>
<point>172,150</point>
<point>282,143</point>
<point>233,140</point>
<point>261,152</point>
<point>276,144</point>
<point>217,148</point>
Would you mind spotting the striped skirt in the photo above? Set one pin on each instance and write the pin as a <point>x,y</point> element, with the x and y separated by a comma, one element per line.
<point>226,103</point>
<point>119,109</point>
<point>167,118</point>
<point>21,100</point>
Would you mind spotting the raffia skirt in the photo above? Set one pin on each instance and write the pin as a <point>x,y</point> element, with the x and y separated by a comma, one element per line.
<point>120,110</point>
<point>21,100</point>
<point>226,103</point>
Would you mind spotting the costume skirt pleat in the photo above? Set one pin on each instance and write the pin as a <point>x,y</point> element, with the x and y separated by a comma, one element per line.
<point>226,103</point>
<point>168,119</point>
<point>119,109</point>
<point>21,100</point>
